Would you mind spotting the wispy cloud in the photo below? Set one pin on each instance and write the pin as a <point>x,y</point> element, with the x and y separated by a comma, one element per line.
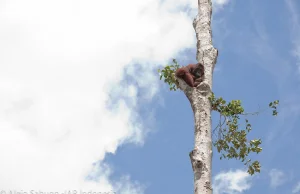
<point>219,4</point>
<point>277,178</point>
<point>231,182</point>
<point>268,57</point>
<point>295,28</point>
<point>296,189</point>
<point>277,62</point>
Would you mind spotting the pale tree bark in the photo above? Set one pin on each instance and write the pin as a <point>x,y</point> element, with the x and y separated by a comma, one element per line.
<point>201,156</point>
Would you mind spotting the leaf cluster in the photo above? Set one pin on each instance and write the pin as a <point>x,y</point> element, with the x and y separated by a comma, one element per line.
<point>168,74</point>
<point>274,105</point>
<point>232,141</point>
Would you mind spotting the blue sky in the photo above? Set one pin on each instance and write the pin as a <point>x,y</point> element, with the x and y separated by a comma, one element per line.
<point>81,105</point>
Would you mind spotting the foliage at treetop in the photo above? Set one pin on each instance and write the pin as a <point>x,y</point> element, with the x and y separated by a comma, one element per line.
<point>231,141</point>
<point>168,73</point>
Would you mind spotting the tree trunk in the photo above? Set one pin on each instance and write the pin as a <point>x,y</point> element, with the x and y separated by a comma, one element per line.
<point>201,156</point>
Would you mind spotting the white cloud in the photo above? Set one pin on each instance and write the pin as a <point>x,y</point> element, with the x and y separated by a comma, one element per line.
<point>219,4</point>
<point>296,189</point>
<point>231,182</point>
<point>61,62</point>
<point>277,178</point>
